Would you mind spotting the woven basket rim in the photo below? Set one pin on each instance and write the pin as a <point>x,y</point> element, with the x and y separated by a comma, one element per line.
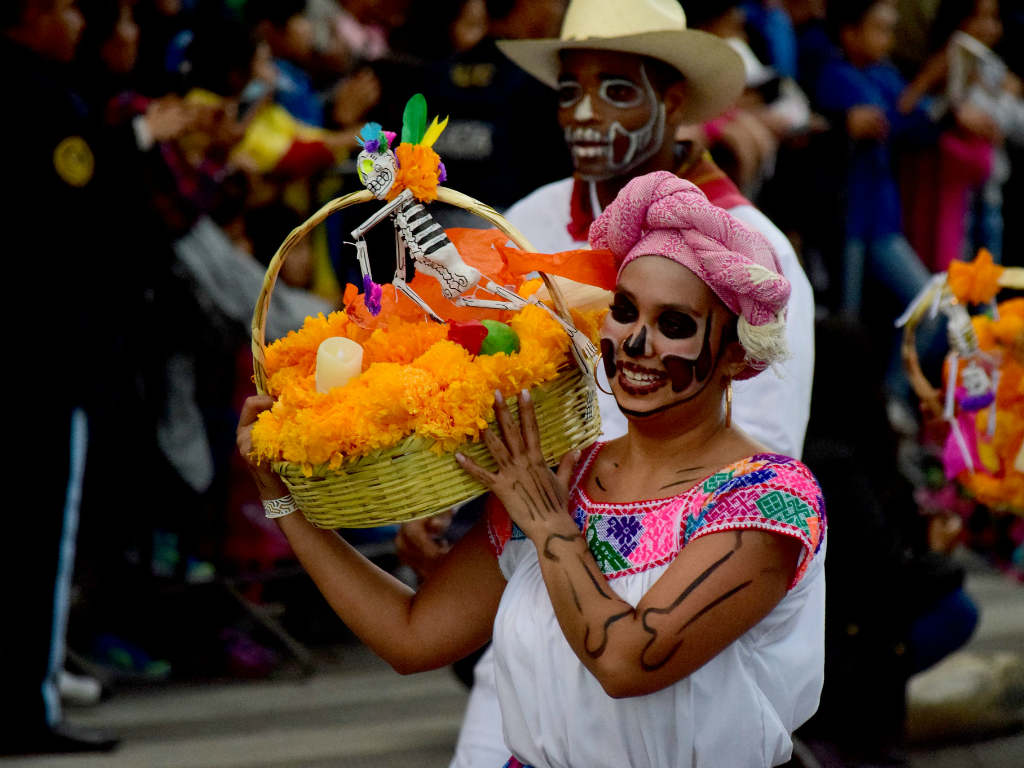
<point>410,443</point>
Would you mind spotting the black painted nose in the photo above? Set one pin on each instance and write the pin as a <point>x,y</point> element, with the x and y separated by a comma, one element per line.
<point>635,345</point>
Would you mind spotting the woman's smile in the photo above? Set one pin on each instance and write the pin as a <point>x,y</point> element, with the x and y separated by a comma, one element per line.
<point>638,380</point>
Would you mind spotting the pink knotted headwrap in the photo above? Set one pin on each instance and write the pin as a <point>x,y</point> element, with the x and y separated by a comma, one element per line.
<point>661,214</point>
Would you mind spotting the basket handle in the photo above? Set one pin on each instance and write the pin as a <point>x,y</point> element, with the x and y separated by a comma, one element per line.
<point>445,195</point>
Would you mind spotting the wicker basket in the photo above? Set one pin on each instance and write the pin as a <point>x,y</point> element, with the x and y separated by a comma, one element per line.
<point>930,396</point>
<point>409,480</point>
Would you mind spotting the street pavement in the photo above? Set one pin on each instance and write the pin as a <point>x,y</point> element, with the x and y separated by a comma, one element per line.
<point>354,711</point>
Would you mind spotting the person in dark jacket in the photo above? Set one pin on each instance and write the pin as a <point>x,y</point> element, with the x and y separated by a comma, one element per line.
<point>53,225</point>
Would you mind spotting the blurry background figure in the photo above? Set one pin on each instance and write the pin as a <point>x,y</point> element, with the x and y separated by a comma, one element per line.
<point>954,193</point>
<point>745,140</point>
<point>895,604</point>
<point>56,162</point>
<point>448,53</point>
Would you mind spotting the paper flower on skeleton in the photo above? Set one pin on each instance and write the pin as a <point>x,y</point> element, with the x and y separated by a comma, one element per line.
<point>387,170</point>
<point>975,282</point>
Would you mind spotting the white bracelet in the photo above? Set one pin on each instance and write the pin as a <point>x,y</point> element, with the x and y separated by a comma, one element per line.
<point>279,507</point>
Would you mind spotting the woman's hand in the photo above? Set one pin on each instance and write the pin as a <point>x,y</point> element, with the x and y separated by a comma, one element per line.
<point>534,496</point>
<point>267,481</point>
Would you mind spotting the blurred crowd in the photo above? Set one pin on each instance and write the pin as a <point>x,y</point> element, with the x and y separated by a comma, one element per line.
<point>882,138</point>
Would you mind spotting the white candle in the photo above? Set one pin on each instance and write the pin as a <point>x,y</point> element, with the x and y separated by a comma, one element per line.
<point>337,361</point>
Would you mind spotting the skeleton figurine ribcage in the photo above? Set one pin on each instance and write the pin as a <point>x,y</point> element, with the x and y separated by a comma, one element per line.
<point>432,251</point>
<point>417,232</point>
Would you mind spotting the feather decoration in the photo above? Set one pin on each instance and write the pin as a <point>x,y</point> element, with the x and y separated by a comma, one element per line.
<point>369,132</point>
<point>433,132</point>
<point>414,119</point>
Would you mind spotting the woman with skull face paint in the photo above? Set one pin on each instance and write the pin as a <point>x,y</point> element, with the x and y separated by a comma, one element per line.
<point>658,600</point>
<point>688,577</point>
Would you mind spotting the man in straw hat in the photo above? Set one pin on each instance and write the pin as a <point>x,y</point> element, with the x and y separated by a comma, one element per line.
<point>630,78</point>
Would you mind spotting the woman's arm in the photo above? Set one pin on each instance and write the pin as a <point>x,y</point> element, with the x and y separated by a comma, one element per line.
<point>720,586</point>
<point>449,617</point>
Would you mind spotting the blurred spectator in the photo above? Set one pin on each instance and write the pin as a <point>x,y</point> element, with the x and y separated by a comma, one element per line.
<point>858,92</point>
<point>168,26</point>
<point>288,32</point>
<point>449,55</point>
<point>120,544</point>
<point>914,35</point>
<point>300,160</point>
<point>284,27</point>
<point>771,35</point>
<point>741,143</point>
<point>860,89</point>
<point>745,140</point>
<point>895,606</point>
<point>964,177</point>
<point>813,46</point>
<point>59,225</point>
<point>366,26</point>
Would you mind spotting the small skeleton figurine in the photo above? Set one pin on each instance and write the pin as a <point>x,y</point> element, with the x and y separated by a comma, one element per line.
<point>970,388</point>
<point>416,170</point>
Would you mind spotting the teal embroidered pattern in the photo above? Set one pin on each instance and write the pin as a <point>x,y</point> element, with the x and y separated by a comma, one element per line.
<point>786,508</point>
<point>604,551</point>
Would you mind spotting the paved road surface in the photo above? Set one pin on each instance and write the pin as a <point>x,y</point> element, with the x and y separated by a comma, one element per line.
<point>356,712</point>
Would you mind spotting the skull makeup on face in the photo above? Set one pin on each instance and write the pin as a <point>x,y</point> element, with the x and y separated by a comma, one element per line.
<point>663,338</point>
<point>596,106</point>
<point>376,172</point>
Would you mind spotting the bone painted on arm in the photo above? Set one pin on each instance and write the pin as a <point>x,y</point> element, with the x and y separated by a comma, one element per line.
<point>676,627</point>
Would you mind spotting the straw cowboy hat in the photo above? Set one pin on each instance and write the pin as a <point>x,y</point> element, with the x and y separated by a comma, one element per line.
<point>656,28</point>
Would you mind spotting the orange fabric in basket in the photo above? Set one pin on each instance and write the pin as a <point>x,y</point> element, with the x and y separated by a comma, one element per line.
<point>593,267</point>
<point>489,252</point>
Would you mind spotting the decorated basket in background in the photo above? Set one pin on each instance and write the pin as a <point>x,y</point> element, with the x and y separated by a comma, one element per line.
<point>980,401</point>
<point>417,476</point>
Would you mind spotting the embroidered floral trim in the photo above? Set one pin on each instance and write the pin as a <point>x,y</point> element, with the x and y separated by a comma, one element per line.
<point>765,492</point>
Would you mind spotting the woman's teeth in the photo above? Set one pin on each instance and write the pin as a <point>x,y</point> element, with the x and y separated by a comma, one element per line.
<point>642,379</point>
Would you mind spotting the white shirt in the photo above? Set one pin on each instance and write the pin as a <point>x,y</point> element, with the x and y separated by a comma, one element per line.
<point>736,710</point>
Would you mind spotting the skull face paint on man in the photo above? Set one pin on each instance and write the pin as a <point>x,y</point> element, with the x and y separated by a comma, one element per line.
<point>663,338</point>
<point>613,119</point>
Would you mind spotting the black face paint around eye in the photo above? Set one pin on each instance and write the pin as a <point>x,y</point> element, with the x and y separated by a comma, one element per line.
<point>623,310</point>
<point>608,357</point>
<point>683,371</point>
<point>676,325</point>
<point>635,346</point>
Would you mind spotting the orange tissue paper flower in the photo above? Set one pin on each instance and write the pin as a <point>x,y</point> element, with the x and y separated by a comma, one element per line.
<point>418,171</point>
<point>415,382</point>
<point>975,281</point>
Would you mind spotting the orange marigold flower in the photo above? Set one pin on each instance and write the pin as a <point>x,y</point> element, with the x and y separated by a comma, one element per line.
<point>414,382</point>
<point>975,281</point>
<point>418,170</point>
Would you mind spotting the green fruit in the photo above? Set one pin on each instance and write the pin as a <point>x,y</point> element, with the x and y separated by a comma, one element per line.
<point>499,338</point>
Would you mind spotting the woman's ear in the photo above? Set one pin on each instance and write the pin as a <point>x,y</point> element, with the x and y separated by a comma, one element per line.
<point>734,359</point>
